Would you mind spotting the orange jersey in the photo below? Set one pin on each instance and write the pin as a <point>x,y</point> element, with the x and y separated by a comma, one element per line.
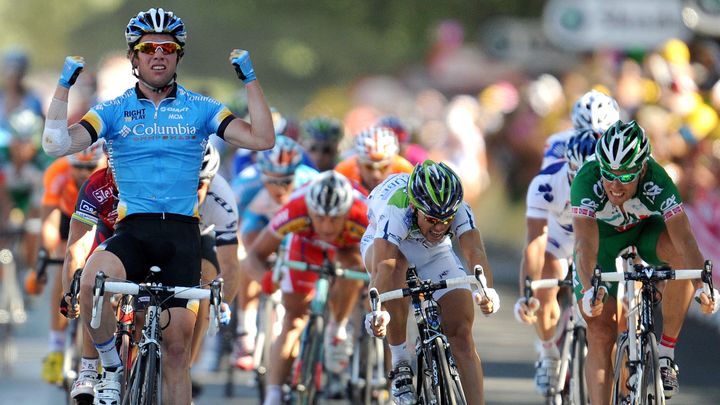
<point>61,190</point>
<point>349,167</point>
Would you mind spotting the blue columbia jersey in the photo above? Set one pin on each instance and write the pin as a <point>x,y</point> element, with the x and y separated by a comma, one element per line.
<point>156,151</point>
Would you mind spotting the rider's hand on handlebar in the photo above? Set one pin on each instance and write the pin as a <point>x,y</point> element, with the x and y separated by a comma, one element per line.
<point>67,310</point>
<point>488,300</point>
<point>376,323</point>
<point>225,314</point>
<point>587,307</point>
<point>707,306</point>
<point>525,310</point>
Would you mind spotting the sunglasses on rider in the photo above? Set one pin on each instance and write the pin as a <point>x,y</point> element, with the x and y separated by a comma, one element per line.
<point>624,178</point>
<point>285,181</point>
<point>370,165</point>
<point>84,166</point>
<point>324,149</point>
<point>150,48</point>
<point>434,221</point>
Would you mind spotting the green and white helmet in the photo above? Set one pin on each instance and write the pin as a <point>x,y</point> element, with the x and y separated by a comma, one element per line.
<point>622,147</point>
<point>435,189</point>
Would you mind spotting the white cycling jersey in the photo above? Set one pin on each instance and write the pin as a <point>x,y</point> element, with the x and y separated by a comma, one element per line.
<point>548,198</point>
<point>219,210</point>
<point>391,218</point>
<point>555,145</point>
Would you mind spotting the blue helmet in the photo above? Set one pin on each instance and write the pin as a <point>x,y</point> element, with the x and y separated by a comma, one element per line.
<point>155,21</point>
<point>580,148</point>
<point>282,159</point>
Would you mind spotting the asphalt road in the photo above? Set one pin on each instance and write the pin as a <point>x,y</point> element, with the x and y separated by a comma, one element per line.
<point>505,347</point>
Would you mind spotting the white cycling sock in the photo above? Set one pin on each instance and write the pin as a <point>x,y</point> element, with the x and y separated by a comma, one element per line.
<point>89,367</point>
<point>273,395</point>
<point>548,348</point>
<point>108,354</point>
<point>56,341</point>
<point>399,353</point>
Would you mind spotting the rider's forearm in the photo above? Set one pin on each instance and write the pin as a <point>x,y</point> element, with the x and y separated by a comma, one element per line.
<point>473,249</point>
<point>260,116</point>
<point>229,269</point>
<point>58,139</point>
<point>532,262</point>
<point>253,266</point>
<point>585,256</point>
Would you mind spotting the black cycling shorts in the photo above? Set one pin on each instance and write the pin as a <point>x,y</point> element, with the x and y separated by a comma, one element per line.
<point>173,244</point>
<point>64,226</point>
<point>209,252</point>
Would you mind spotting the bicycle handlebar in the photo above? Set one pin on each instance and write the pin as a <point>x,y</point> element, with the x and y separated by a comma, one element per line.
<point>130,288</point>
<point>336,271</point>
<point>478,279</point>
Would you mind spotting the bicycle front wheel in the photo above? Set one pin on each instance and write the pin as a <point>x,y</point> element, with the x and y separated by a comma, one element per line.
<point>144,383</point>
<point>619,390</point>
<point>308,372</point>
<point>651,388</point>
<point>577,383</point>
<point>451,388</point>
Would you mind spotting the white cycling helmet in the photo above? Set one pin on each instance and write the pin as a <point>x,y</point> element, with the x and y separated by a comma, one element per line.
<point>210,163</point>
<point>155,21</point>
<point>596,111</point>
<point>376,144</point>
<point>329,194</point>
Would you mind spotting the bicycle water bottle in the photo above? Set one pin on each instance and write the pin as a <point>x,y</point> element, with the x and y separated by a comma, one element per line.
<point>432,314</point>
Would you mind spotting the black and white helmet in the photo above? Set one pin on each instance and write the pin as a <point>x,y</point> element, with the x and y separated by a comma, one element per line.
<point>155,21</point>
<point>210,163</point>
<point>329,194</point>
<point>596,111</point>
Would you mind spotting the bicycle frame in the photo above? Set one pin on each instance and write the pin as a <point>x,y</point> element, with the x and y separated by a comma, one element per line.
<point>640,332</point>
<point>435,361</point>
<point>145,379</point>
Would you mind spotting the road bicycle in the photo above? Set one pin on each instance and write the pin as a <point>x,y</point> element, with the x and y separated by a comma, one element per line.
<point>637,378</point>
<point>307,372</point>
<point>438,379</point>
<point>144,382</point>
<point>367,384</point>
<point>73,347</point>
<point>571,386</point>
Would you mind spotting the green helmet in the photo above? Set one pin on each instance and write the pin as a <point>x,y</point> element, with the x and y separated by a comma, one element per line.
<point>322,129</point>
<point>622,147</point>
<point>435,189</point>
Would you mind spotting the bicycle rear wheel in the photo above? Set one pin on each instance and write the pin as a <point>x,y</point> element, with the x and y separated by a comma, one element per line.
<point>263,343</point>
<point>651,388</point>
<point>308,373</point>
<point>451,388</point>
<point>578,393</point>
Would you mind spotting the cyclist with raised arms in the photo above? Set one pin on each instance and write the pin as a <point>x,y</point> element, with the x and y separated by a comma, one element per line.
<point>327,215</point>
<point>548,250</point>
<point>412,220</point>
<point>376,157</point>
<point>261,190</point>
<point>96,209</point>
<point>593,110</point>
<point>156,134</point>
<point>624,198</point>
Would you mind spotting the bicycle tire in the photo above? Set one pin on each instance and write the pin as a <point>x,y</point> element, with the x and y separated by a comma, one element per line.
<point>306,384</point>
<point>619,390</point>
<point>577,383</point>
<point>71,358</point>
<point>428,390</point>
<point>135,379</point>
<point>124,348</point>
<point>151,386</point>
<point>651,387</point>
<point>452,392</point>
